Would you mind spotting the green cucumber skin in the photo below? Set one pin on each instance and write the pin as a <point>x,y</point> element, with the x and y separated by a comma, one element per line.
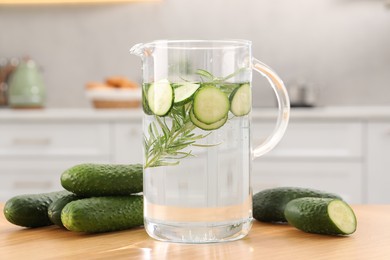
<point>31,210</point>
<point>311,215</point>
<point>55,208</point>
<point>90,179</point>
<point>269,205</point>
<point>103,214</point>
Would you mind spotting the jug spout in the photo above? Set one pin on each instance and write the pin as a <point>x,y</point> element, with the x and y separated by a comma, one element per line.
<point>138,49</point>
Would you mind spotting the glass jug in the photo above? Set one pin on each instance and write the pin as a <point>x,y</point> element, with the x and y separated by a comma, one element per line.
<point>196,98</point>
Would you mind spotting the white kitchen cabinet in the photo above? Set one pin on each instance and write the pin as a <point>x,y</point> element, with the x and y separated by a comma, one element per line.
<point>34,155</point>
<point>343,178</point>
<point>320,155</point>
<point>127,142</point>
<point>378,163</point>
<point>338,150</point>
<point>55,140</point>
<point>326,140</point>
<point>32,176</point>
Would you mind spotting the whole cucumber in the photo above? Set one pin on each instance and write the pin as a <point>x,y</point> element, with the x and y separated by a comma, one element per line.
<point>30,210</point>
<point>91,180</point>
<point>55,208</point>
<point>103,214</point>
<point>269,204</point>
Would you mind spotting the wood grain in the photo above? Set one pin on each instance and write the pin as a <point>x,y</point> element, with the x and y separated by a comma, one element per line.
<point>265,241</point>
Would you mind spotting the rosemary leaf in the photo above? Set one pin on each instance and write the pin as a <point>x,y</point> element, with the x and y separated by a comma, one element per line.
<point>233,74</point>
<point>205,74</point>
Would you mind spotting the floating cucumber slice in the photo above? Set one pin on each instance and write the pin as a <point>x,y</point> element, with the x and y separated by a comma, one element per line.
<point>184,92</point>
<point>145,106</point>
<point>160,97</point>
<point>241,100</point>
<point>210,104</point>
<point>204,126</point>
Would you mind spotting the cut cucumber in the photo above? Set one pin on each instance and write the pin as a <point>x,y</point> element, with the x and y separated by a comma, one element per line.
<point>145,106</point>
<point>160,97</point>
<point>269,204</point>
<point>241,100</point>
<point>184,92</point>
<point>204,126</point>
<point>321,216</point>
<point>210,104</point>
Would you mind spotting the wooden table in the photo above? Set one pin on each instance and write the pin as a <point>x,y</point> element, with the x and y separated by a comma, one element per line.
<point>265,241</point>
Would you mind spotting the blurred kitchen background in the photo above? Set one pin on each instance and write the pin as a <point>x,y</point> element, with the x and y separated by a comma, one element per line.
<point>339,47</point>
<point>335,51</point>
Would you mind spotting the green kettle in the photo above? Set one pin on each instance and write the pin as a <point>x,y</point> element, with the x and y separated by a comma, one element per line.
<point>26,88</point>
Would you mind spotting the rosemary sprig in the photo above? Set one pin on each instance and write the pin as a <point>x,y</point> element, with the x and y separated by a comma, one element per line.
<point>210,78</point>
<point>220,82</point>
<point>164,147</point>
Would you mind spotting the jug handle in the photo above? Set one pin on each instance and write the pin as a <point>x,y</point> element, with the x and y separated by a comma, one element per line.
<point>283,106</point>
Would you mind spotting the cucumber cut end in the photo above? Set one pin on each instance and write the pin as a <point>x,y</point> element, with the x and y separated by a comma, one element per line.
<point>342,216</point>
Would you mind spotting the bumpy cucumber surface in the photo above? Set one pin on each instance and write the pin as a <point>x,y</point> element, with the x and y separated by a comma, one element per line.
<point>269,205</point>
<point>30,210</point>
<point>55,208</point>
<point>321,216</point>
<point>103,179</point>
<point>103,214</point>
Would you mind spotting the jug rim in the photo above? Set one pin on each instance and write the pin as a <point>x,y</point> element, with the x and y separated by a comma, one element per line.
<point>199,44</point>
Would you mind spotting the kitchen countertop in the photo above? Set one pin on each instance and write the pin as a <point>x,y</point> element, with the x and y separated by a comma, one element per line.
<point>265,241</point>
<point>88,114</point>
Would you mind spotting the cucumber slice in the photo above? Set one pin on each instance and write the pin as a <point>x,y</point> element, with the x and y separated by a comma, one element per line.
<point>184,92</point>
<point>160,97</point>
<point>145,106</point>
<point>210,104</point>
<point>241,100</point>
<point>204,126</point>
<point>321,216</point>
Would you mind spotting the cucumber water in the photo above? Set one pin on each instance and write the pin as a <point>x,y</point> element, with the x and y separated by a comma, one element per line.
<point>195,162</point>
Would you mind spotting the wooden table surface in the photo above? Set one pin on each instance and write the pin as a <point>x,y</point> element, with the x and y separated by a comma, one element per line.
<point>265,241</point>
